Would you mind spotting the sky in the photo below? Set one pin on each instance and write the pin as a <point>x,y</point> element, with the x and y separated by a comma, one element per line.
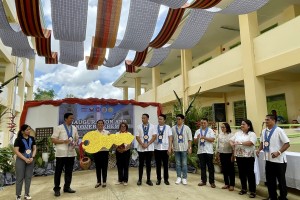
<point>79,81</point>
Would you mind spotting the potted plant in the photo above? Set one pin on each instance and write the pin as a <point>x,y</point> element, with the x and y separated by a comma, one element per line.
<point>7,165</point>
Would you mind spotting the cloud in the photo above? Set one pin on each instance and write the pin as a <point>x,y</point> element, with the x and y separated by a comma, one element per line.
<point>78,81</point>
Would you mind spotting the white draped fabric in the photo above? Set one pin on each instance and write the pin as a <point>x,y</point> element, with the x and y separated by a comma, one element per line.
<point>170,3</point>
<point>197,23</point>
<point>12,36</point>
<point>69,20</point>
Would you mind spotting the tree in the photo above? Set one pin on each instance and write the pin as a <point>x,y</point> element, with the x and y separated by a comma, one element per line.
<point>41,94</point>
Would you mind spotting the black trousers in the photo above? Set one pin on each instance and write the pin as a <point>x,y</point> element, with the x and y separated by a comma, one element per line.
<point>101,161</point>
<point>123,165</point>
<point>67,163</point>
<point>147,155</point>
<point>207,160</point>
<point>162,156</point>
<point>276,172</point>
<point>227,168</point>
<point>246,172</point>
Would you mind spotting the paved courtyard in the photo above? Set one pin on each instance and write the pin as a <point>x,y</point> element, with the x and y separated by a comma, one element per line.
<point>84,181</point>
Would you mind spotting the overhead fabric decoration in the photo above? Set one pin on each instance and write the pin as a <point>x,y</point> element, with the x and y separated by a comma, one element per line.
<point>170,25</point>
<point>43,48</point>
<point>51,60</point>
<point>194,28</point>
<point>12,36</point>
<point>130,68</point>
<point>140,26</point>
<point>171,3</point>
<point>138,60</point>
<point>28,12</point>
<point>96,58</point>
<point>197,21</point>
<point>116,56</point>
<point>108,18</point>
<point>158,56</point>
<point>69,20</point>
<point>71,52</point>
<point>192,31</point>
<point>203,4</point>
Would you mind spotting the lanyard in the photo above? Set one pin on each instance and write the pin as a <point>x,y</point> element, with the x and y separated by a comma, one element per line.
<point>161,133</point>
<point>180,135</point>
<point>146,131</point>
<point>202,141</point>
<point>70,133</point>
<point>267,139</point>
<point>27,147</point>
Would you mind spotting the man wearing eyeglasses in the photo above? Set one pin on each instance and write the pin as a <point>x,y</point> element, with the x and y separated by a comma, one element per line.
<point>274,143</point>
<point>146,135</point>
<point>182,144</point>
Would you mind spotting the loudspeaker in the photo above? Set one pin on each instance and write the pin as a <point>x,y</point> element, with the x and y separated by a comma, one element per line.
<point>219,113</point>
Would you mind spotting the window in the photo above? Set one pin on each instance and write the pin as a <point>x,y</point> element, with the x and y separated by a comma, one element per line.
<point>278,103</point>
<point>240,111</point>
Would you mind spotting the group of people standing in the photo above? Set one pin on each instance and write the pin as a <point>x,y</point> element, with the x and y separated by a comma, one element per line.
<point>162,140</point>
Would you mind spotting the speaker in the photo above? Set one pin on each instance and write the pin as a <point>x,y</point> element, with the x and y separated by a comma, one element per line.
<point>219,113</point>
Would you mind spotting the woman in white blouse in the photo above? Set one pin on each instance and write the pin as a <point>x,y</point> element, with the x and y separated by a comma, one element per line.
<point>243,143</point>
<point>226,156</point>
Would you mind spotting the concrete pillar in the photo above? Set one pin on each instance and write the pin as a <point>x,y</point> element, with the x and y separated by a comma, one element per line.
<point>290,12</point>
<point>255,92</point>
<point>125,93</point>
<point>156,81</point>
<point>137,87</point>
<point>29,95</point>
<point>186,66</point>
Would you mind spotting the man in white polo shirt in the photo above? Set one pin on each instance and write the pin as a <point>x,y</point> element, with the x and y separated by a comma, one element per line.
<point>205,137</point>
<point>274,143</point>
<point>145,136</point>
<point>162,146</point>
<point>65,137</point>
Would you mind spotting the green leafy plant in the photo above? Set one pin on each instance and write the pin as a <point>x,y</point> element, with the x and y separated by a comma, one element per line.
<point>7,162</point>
<point>49,149</point>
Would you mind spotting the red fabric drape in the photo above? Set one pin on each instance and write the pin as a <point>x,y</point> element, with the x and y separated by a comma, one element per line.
<point>90,101</point>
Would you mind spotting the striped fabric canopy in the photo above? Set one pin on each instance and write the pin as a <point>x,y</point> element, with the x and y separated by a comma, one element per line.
<point>13,37</point>
<point>196,25</point>
<point>108,18</point>
<point>28,12</point>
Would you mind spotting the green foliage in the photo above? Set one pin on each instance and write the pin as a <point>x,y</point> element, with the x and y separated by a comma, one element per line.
<point>49,149</point>
<point>41,94</point>
<point>7,162</point>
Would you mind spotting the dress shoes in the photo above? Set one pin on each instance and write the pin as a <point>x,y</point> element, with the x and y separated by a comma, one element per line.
<point>149,183</point>
<point>69,190</point>
<point>167,182</point>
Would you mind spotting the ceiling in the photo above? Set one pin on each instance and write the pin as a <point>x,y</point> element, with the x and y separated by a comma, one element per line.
<point>215,36</point>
